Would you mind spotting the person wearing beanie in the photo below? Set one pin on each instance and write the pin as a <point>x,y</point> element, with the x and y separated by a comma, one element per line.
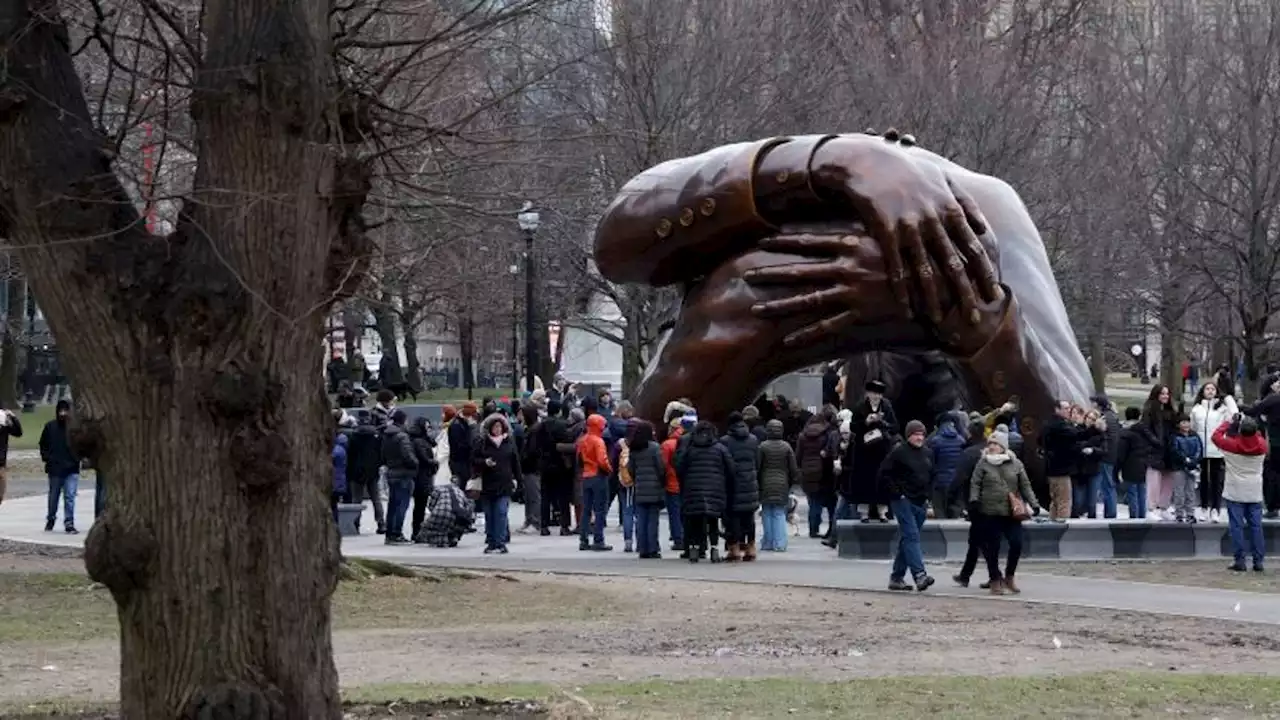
<point>778,471</point>
<point>873,429</point>
<point>62,465</point>
<point>402,469</point>
<point>999,477</point>
<point>960,497</point>
<point>751,416</point>
<point>907,475</point>
<point>447,413</point>
<point>1244,451</point>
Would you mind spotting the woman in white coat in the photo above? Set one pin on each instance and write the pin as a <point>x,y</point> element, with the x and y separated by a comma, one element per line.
<point>1210,411</point>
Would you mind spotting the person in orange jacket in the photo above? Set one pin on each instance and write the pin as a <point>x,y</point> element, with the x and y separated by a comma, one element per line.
<point>593,459</point>
<point>675,516</point>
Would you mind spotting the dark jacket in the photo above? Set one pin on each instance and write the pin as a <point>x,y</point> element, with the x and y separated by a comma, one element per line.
<point>1268,410</point>
<point>339,456</point>
<point>861,482</point>
<point>1158,432</point>
<point>398,455</point>
<point>424,449</point>
<point>908,472</point>
<point>705,469</point>
<point>1060,440</point>
<point>813,442</point>
<point>552,432</point>
<point>1090,450</point>
<point>461,434</point>
<point>364,456</point>
<point>958,493</point>
<point>1111,445</point>
<point>13,429</point>
<point>1187,452</point>
<point>743,447</point>
<point>497,479</point>
<point>776,467</point>
<point>55,450</point>
<point>648,474</point>
<point>946,446</point>
<point>381,415</point>
<point>1131,456</point>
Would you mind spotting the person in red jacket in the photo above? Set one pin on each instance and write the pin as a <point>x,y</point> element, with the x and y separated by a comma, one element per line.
<point>675,520</point>
<point>1244,450</point>
<point>593,458</point>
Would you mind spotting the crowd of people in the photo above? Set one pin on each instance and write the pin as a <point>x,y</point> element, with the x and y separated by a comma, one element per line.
<point>571,460</point>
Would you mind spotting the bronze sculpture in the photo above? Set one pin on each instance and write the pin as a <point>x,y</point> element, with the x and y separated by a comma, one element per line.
<point>797,250</point>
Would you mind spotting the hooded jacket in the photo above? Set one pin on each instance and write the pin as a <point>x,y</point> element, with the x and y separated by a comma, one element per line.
<point>364,455</point>
<point>1206,416</point>
<point>813,442</point>
<point>339,456</point>
<point>397,454</point>
<point>424,449</point>
<point>669,458</point>
<point>776,467</point>
<point>743,447</point>
<point>1132,448</point>
<point>55,450</point>
<point>1243,458</point>
<point>705,470</point>
<point>946,446</point>
<point>648,474</point>
<point>497,479</point>
<point>593,454</point>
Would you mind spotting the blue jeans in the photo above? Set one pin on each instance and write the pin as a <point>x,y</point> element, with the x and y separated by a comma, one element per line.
<point>627,509</point>
<point>1104,486</point>
<point>774,536</point>
<point>1137,496</point>
<point>99,495</point>
<point>1084,497</point>
<point>675,519</point>
<point>399,492</point>
<point>595,505</point>
<point>646,517</point>
<point>1240,515</point>
<point>910,517</point>
<point>64,486</point>
<point>496,530</point>
<point>817,501</point>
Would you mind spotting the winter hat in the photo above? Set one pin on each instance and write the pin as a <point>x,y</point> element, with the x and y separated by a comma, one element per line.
<point>1000,438</point>
<point>751,412</point>
<point>876,386</point>
<point>469,408</point>
<point>398,417</point>
<point>675,409</point>
<point>774,426</point>
<point>1002,428</point>
<point>913,427</point>
<point>447,412</point>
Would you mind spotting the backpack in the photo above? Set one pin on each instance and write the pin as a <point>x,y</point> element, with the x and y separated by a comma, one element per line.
<point>624,462</point>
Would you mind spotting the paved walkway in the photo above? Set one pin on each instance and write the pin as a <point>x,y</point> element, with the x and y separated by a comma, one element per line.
<point>805,564</point>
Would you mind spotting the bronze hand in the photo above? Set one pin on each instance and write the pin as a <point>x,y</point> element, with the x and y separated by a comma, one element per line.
<point>917,215</point>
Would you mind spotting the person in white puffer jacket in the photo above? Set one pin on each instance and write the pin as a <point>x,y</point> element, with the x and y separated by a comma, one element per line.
<point>1210,411</point>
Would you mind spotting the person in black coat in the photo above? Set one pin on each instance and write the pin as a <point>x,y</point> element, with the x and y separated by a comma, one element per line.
<point>461,435</point>
<point>364,457</point>
<point>1060,441</point>
<point>649,487</point>
<point>10,426</point>
<point>555,469</point>
<point>1131,464</point>
<point>830,387</point>
<point>402,470</point>
<point>1091,450</point>
<point>1158,425</point>
<point>743,494</point>
<point>907,475</point>
<point>872,433</point>
<point>705,469</point>
<point>497,464</point>
<point>424,449</point>
<point>62,465</point>
<point>959,496</point>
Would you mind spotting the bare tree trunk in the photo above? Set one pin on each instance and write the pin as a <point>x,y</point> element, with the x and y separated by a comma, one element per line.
<point>413,367</point>
<point>16,295</point>
<point>632,357</point>
<point>466,346</point>
<point>223,579</point>
<point>1098,360</point>
<point>384,321</point>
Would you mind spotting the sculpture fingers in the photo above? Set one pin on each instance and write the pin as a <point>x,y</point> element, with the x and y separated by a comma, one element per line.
<point>892,252</point>
<point>978,264</point>
<point>818,300</point>
<point>954,264</point>
<point>914,236</point>
<point>972,213</point>
<point>821,330</point>
<point>809,243</point>
<point>801,273</point>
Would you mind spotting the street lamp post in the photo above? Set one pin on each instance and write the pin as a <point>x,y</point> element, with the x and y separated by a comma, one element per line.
<point>528,220</point>
<point>515,335</point>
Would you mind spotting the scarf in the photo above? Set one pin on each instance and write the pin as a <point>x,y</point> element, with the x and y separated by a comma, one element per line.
<point>997,459</point>
<point>497,439</point>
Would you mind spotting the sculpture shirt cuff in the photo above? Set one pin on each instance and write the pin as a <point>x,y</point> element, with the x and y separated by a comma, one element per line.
<point>783,189</point>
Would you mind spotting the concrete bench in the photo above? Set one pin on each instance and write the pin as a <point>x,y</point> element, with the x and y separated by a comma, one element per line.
<point>349,518</point>
<point>1072,540</point>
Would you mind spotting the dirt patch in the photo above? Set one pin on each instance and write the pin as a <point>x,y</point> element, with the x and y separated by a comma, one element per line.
<point>466,708</point>
<point>1195,573</point>
<point>631,629</point>
<point>16,557</point>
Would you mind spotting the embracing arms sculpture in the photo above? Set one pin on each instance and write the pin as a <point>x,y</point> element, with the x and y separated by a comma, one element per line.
<point>797,250</point>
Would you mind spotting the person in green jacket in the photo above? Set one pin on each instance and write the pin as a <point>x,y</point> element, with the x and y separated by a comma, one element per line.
<point>777,471</point>
<point>998,475</point>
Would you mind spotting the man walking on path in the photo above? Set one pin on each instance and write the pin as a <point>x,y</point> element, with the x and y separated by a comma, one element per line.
<point>63,468</point>
<point>907,472</point>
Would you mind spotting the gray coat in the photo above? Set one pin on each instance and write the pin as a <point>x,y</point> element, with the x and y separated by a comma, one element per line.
<point>776,467</point>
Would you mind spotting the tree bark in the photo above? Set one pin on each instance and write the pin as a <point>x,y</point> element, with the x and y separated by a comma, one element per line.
<point>466,346</point>
<point>197,352</point>
<point>384,321</point>
<point>16,296</point>
<point>412,366</point>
